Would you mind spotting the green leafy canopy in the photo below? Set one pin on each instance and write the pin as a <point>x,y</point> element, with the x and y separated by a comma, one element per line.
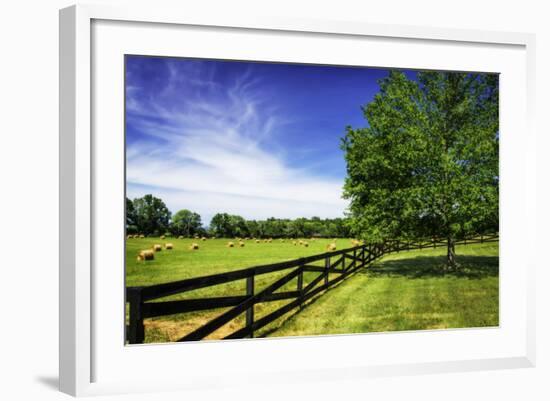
<point>427,163</point>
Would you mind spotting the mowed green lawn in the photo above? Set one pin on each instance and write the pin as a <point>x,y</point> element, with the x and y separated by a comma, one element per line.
<point>408,291</point>
<point>404,291</point>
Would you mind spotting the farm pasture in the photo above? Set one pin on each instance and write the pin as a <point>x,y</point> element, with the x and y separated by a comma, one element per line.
<point>403,291</point>
<point>408,291</point>
<point>213,256</point>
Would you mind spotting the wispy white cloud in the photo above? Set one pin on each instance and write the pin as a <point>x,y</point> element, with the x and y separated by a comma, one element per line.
<point>210,148</point>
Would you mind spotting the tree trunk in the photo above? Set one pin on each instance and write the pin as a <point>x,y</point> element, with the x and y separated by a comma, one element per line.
<point>451,256</point>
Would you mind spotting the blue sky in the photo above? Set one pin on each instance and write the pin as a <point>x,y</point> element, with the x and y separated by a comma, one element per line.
<point>255,139</point>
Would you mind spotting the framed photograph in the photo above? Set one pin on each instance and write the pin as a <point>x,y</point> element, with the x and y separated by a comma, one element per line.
<point>265,199</point>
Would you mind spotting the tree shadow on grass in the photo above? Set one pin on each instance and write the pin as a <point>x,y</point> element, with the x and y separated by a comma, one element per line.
<point>470,267</point>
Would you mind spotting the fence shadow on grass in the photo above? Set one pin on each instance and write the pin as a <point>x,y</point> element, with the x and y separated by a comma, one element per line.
<point>296,312</point>
<point>470,267</point>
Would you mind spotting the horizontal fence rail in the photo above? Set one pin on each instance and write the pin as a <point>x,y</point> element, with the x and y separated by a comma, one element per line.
<point>343,263</point>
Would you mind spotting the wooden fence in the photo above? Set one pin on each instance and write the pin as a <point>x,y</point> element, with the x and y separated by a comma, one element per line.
<point>341,263</point>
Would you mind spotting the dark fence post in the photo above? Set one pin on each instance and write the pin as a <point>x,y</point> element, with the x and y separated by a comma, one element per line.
<point>250,311</point>
<point>300,285</point>
<point>343,263</point>
<point>136,330</point>
<point>327,267</point>
<point>354,256</point>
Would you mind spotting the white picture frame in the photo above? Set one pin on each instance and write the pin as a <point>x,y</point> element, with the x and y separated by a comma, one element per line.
<point>82,349</point>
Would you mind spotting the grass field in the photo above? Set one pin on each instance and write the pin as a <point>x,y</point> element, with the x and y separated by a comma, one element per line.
<point>408,291</point>
<point>213,256</point>
<point>404,291</point>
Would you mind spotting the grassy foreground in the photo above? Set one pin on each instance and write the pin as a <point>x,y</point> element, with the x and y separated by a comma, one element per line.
<point>213,256</point>
<point>403,291</point>
<point>408,291</point>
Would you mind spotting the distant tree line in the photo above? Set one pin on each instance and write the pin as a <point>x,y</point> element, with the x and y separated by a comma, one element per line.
<point>150,216</point>
<point>226,225</point>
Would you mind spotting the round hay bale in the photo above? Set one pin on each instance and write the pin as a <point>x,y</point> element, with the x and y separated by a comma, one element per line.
<point>157,247</point>
<point>169,245</point>
<point>146,254</point>
<point>241,244</point>
<point>257,241</point>
<point>230,244</point>
<point>294,243</point>
<point>331,247</point>
<point>306,244</point>
<point>194,246</point>
<point>141,236</point>
<point>180,237</point>
<point>129,236</point>
<point>203,239</point>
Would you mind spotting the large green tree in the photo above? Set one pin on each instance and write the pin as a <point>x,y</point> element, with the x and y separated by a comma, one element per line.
<point>186,222</point>
<point>151,215</point>
<point>427,162</point>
